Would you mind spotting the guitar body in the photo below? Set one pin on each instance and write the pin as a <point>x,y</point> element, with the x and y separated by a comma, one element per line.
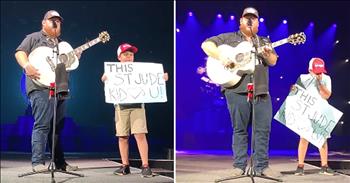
<point>242,59</point>
<point>44,59</point>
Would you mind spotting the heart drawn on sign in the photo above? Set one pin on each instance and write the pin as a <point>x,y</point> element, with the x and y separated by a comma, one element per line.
<point>135,92</point>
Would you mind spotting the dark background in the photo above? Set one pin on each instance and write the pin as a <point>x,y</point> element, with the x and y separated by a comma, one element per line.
<point>90,125</point>
<point>202,118</point>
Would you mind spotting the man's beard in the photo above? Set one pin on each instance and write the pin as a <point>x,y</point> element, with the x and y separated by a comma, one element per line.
<point>53,32</point>
<point>246,30</point>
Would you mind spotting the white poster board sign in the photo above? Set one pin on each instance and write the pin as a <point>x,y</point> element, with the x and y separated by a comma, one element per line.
<point>310,116</point>
<point>134,82</point>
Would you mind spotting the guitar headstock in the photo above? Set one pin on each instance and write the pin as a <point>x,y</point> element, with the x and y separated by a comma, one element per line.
<point>298,38</point>
<point>104,36</point>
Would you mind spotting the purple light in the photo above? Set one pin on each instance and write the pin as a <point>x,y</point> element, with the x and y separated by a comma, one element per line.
<point>177,30</point>
<point>311,24</point>
<point>232,17</point>
<point>284,21</point>
<point>261,19</point>
<point>219,15</point>
<point>190,13</point>
<point>334,25</point>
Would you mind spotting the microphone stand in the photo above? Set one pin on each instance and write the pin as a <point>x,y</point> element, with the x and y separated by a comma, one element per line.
<point>53,93</point>
<point>250,172</point>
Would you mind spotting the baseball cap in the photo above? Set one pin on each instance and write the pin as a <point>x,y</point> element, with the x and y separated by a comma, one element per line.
<point>52,13</point>
<point>126,47</point>
<point>250,10</point>
<point>317,66</point>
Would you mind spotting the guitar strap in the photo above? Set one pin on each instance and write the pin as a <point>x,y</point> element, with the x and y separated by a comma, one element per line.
<point>258,45</point>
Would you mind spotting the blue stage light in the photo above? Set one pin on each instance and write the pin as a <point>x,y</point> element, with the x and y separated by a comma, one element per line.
<point>219,15</point>
<point>284,21</point>
<point>190,13</point>
<point>261,19</point>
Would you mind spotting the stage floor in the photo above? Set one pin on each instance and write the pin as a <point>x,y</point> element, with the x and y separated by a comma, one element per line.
<point>94,171</point>
<point>193,166</point>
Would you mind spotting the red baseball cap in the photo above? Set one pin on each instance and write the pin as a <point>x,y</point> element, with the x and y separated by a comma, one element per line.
<point>126,47</point>
<point>317,66</point>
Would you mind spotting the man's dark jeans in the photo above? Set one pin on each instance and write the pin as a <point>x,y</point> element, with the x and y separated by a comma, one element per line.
<point>241,114</point>
<point>42,110</point>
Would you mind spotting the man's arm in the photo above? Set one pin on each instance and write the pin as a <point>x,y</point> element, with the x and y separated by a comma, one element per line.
<point>269,56</point>
<point>212,50</point>
<point>23,61</point>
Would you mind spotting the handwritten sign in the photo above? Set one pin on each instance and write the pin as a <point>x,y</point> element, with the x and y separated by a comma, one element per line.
<point>308,115</point>
<point>134,82</point>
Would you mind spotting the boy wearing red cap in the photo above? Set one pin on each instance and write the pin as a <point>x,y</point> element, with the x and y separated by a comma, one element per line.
<point>131,118</point>
<point>318,83</point>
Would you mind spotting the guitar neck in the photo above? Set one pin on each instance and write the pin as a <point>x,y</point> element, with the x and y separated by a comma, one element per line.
<point>276,44</point>
<point>280,42</point>
<point>87,45</point>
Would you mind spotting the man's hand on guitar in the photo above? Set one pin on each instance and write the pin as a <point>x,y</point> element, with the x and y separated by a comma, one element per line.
<point>78,54</point>
<point>267,51</point>
<point>31,71</point>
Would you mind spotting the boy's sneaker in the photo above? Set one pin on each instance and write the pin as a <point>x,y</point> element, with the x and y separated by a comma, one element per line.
<point>123,170</point>
<point>299,171</point>
<point>146,172</point>
<point>325,170</point>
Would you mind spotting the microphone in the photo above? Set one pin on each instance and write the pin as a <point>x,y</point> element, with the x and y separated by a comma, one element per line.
<point>54,25</point>
<point>250,23</point>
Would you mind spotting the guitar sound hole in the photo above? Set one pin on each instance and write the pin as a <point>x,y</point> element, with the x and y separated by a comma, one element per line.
<point>230,65</point>
<point>239,57</point>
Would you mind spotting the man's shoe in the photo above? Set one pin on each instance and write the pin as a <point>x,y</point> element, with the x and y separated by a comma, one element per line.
<point>299,171</point>
<point>236,172</point>
<point>325,170</point>
<point>67,167</point>
<point>123,170</point>
<point>146,172</point>
<point>39,168</point>
<point>269,173</point>
<point>70,168</point>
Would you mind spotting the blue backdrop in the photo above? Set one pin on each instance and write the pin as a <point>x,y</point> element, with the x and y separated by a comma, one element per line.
<point>202,117</point>
<point>89,121</point>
